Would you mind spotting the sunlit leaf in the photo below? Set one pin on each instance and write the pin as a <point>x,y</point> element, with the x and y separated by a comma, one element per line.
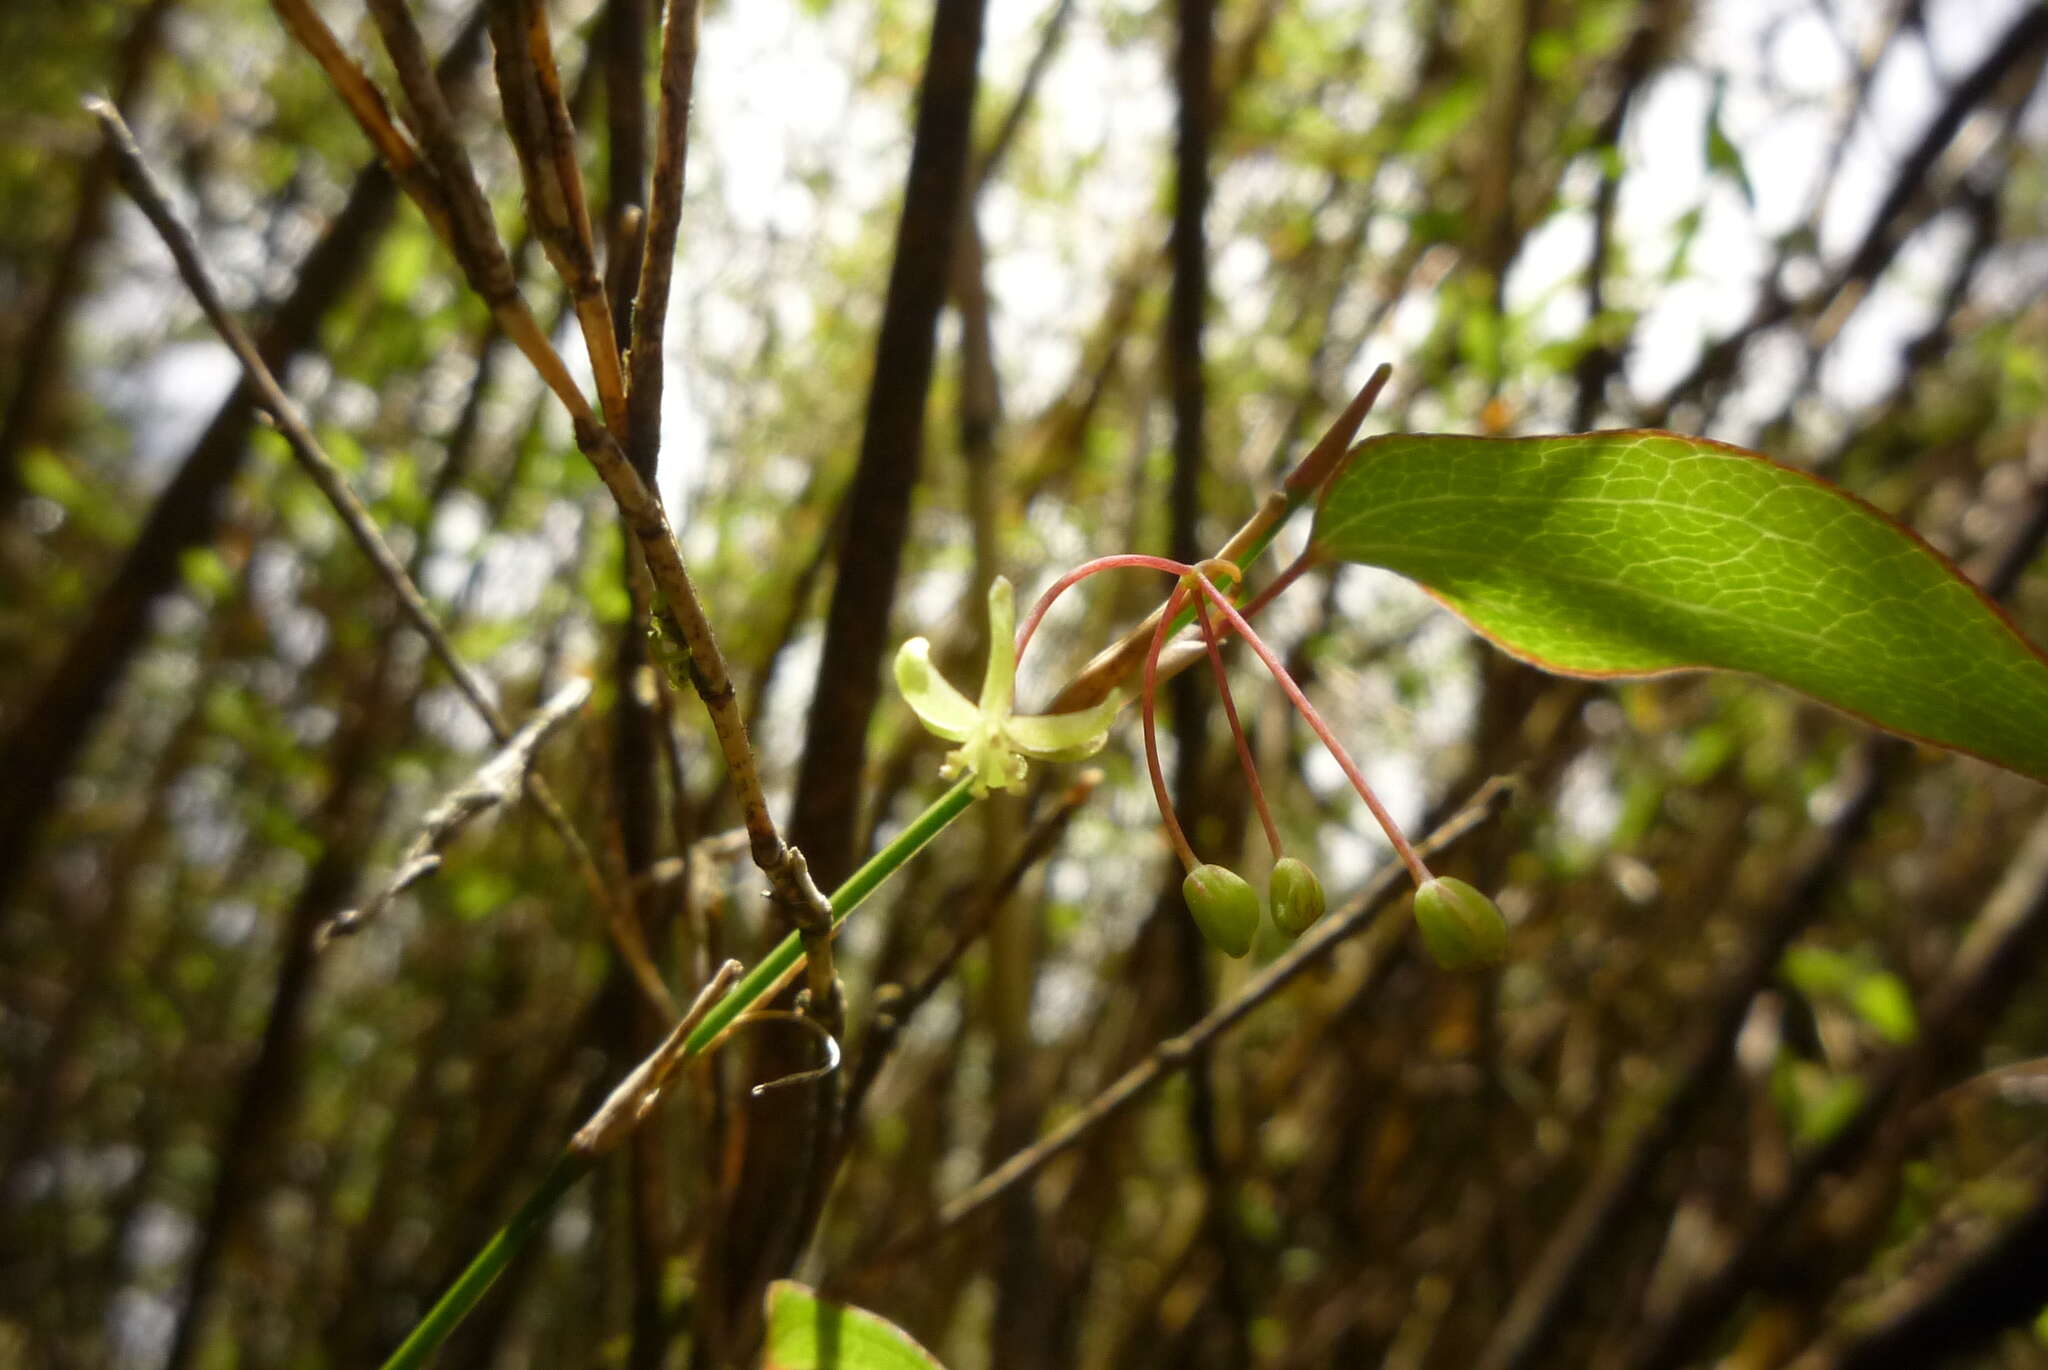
<point>1639,553</point>
<point>806,1332</point>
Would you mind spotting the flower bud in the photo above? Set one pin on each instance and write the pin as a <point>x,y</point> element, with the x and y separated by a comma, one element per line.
<point>1226,908</point>
<point>1462,928</point>
<point>1296,896</point>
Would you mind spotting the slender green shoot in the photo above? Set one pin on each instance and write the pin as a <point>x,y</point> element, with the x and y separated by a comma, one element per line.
<point>490,1262</point>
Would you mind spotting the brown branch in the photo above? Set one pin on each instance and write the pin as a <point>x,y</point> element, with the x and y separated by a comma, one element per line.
<point>360,94</point>
<point>452,199</point>
<point>664,217</point>
<point>635,1097</point>
<point>468,231</point>
<point>543,135</point>
<point>857,625</point>
<point>497,782</point>
<point>141,184</point>
<point>1361,914</point>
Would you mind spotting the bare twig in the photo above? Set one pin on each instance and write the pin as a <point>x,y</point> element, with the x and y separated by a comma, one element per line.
<point>642,1088</point>
<point>454,204</point>
<point>367,104</point>
<point>452,198</point>
<point>141,184</point>
<point>544,136</point>
<point>498,781</point>
<point>664,215</point>
<point>1171,1055</point>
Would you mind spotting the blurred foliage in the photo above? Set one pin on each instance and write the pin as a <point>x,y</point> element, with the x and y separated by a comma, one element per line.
<point>1545,215</point>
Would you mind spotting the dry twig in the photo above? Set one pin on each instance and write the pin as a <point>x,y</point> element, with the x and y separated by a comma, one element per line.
<point>454,204</point>
<point>498,781</point>
<point>142,185</point>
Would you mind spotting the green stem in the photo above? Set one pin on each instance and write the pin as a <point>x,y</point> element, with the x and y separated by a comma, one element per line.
<point>569,1167</point>
<point>845,899</point>
<point>454,1306</point>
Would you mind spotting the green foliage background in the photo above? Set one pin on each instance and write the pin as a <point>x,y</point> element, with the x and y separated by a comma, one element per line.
<point>1738,925</point>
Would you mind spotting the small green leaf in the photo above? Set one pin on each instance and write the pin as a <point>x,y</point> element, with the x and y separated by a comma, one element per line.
<point>1639,553</point>
<point>1816,1103</point>
<point>1880,998</point>
<point>1722,154</point>
<point>806,1332</point>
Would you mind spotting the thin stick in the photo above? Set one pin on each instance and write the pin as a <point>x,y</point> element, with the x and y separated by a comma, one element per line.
<point>141,184</point>
<point>627,1106</point>
<point>537,117</point>
<point>454,200</point>
<point>454,205</point>
<point>366,102</point>
<point>664,217</point>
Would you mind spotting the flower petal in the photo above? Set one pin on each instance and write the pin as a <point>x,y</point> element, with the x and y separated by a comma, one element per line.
<point>931,696</point>
<point>999,685</point>
<point>1063,737</point>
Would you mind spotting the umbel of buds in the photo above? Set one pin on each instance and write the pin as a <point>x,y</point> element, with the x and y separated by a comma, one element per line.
<point>1461,927</point>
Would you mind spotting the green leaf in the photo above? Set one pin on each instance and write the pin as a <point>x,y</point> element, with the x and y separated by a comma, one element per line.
<point>1638,553</point>
<point>1815,1102</point>
<point>806,1332</point>
<point>1722,154</point>
<point>1857,981</point>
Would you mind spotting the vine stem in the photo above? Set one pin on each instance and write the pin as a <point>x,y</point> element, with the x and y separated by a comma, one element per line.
<point>1402,846</point>
<point>433,1329</point>
<point>780,966</point>
<point>1244,748</point>
<point>1146,713</point>
<point>761,983</point>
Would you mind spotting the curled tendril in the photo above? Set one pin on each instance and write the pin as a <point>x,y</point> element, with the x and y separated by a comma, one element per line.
<point>801,1077</point>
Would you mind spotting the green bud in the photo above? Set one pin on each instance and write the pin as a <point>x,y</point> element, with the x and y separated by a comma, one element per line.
<point>1296,894</point>
<point>1226,908</point>
<point>1462,928</point>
